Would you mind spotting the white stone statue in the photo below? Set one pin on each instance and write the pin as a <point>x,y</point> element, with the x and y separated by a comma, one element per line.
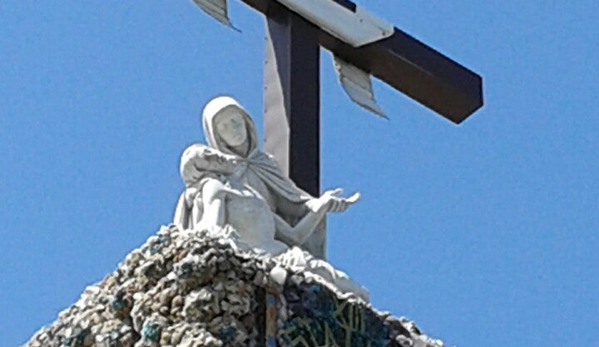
<point>231,183</point>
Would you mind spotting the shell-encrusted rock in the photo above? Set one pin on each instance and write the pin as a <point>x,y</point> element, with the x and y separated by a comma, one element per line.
<point>176,337</point>
<point>190,289</point>
<point>165,338</point>
<point>166,296</point>
<point>200,304</point>
<point>218,286</point>
<point>259,279</point>
<point>178,301</point>
<point>404,341</point>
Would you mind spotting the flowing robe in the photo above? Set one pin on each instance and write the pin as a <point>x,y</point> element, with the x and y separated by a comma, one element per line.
<point>256,169</point>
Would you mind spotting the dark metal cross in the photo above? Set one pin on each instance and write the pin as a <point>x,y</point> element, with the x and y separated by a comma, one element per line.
<point>292,82</point>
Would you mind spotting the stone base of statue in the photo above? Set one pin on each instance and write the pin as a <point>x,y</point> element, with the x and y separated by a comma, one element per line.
<point>191,289</point>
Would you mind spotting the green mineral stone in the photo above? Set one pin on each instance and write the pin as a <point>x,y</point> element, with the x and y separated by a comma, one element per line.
<point>117,304</point>
<point>151,332</point>
<point>227,334</point>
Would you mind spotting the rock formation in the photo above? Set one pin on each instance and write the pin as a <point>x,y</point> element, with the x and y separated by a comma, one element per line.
<point>185,289</point>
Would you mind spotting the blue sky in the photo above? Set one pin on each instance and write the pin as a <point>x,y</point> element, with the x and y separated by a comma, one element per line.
<point>484,233</point>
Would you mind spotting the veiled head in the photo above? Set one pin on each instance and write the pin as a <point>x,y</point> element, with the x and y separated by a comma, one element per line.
<point>228,126</point>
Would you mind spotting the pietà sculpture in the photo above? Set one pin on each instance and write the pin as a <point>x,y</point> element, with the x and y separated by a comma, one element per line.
<point>233,188</point>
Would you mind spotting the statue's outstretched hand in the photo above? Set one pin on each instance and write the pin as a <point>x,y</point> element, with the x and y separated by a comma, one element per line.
<point>330,202</point>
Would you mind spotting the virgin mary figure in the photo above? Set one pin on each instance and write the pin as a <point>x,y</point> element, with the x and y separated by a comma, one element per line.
<point>232,182</point>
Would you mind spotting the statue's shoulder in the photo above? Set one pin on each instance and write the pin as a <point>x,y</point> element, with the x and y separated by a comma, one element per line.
<point>199,160</point>
<point>195,149</point>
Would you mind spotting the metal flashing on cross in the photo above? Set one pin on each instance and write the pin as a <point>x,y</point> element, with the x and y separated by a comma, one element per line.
<point>362,46</point>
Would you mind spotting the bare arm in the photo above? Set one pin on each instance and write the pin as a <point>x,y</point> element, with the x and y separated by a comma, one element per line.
<point>318,208</point>
<point>299,233</point>
<point>213,199</point>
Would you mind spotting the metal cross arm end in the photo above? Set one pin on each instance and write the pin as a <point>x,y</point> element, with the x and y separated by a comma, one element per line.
<point>372,45</point>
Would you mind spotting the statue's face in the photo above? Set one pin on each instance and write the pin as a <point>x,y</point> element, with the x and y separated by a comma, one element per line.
<point>230,126</point>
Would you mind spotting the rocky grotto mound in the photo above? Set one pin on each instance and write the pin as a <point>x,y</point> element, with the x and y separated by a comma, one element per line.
<point>192,289</point>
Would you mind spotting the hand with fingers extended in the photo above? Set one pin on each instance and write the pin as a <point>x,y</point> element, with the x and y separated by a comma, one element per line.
<point>329,201</point>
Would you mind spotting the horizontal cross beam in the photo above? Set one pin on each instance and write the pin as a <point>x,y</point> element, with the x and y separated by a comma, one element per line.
<point>407,65</point>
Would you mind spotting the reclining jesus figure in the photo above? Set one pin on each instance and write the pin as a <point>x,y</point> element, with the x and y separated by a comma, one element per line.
<point>231,183</point>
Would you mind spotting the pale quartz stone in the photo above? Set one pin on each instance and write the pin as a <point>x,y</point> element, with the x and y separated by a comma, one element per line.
<point>278,274</point>
<point>231,184</point>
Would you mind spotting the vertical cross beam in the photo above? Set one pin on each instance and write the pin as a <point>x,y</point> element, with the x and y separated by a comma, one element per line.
<point>292,105</point>
<point>292,97</point>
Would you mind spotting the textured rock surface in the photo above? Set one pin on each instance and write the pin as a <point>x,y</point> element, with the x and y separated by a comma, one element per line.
<point>191,289</point>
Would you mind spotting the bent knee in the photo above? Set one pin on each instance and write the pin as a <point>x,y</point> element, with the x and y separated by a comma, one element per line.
<point>213,189</point>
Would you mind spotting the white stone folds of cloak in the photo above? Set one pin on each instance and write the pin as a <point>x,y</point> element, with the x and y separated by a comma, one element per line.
<point>262,172</point>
